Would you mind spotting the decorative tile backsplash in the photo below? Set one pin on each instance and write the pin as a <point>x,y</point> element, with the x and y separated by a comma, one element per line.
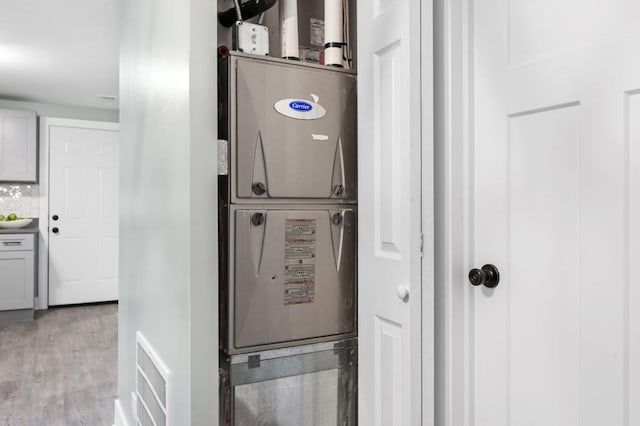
<point>21,199</point>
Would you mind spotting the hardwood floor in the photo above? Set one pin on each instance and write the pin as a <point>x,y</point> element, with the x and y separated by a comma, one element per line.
<point>61,368</point>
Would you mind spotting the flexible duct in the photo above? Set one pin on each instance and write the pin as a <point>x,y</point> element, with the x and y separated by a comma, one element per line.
<point>236,4</point>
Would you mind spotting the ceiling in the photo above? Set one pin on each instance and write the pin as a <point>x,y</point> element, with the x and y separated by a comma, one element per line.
<point>60,51</point>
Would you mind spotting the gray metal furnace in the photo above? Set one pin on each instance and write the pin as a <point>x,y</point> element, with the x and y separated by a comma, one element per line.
<point>288,222</point>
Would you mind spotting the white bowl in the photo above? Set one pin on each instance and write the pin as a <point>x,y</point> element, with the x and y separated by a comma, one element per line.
<point>15,224</point>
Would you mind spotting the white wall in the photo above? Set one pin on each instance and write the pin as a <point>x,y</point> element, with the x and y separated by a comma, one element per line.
<point>168,218</point>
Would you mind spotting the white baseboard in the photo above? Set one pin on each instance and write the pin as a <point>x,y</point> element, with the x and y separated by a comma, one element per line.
<point>119,417</point>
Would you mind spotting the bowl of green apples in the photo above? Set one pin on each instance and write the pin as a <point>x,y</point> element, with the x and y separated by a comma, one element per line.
<point>12,221</point>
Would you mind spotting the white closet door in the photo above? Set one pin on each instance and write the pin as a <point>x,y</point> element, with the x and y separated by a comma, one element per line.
<point>389,204</point>
<point>556,141</point>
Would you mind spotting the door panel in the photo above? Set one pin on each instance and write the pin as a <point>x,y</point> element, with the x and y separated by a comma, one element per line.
<point>554,110</point>
<point>83,191</point>
<point>389,176</point>
<point>545,28</point>
<point>544,237</point>
<point>632,288</point>
<point>16,281</point>
<point>387,109</point>
<point>388,367</point>
<point>17,146</point>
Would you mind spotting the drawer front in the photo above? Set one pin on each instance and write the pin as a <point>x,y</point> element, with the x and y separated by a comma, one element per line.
<point>16,242</point>
<point>16,280</point>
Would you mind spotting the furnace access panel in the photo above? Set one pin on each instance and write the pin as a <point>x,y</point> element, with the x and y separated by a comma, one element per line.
<point>292,130</point>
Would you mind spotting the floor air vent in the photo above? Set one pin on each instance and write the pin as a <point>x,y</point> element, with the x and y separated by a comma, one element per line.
<point>151,385</point>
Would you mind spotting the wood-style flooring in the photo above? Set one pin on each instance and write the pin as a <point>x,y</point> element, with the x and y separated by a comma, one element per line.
<point>61,368</point>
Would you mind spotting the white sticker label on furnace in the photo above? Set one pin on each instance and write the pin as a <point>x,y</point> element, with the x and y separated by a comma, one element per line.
<point>316,36</point>
<point>299,261</point>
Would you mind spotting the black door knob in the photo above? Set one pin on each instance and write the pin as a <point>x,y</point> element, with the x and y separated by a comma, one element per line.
<point>55,230</point>
<point>54,217</point>
<point>489,276</point>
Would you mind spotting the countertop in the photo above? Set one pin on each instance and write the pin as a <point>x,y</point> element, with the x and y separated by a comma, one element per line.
<point>32,228</point>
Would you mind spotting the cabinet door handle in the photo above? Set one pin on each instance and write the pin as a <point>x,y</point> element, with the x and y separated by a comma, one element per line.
<point>11,243</point>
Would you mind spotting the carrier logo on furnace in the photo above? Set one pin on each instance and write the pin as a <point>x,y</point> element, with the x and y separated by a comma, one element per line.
<point>300,109</point>
<point>300,106</point>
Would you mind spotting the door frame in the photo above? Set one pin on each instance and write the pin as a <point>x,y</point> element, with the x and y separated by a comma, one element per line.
<point>428,205</point>
<point>42,301</point>
<point>453,60</point>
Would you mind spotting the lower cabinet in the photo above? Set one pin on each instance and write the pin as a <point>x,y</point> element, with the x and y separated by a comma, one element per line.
<point>17,271</point>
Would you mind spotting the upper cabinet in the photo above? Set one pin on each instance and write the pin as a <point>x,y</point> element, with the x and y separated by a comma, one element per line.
<point>17,146</point>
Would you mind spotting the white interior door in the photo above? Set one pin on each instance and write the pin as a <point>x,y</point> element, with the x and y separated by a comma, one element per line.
<point>83,215</point>
<point>389,188</point>
<point>556,134</point>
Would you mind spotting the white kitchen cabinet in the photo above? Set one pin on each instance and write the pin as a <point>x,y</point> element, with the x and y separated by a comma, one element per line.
<point>16,271</point>
<point>17,146</point>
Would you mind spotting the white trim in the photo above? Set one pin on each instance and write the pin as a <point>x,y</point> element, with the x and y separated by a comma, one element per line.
<point>43,196</point>
<point>454,203</point>
<point>43,215</point>
<point>428,198</point>
<point>119,419</point>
